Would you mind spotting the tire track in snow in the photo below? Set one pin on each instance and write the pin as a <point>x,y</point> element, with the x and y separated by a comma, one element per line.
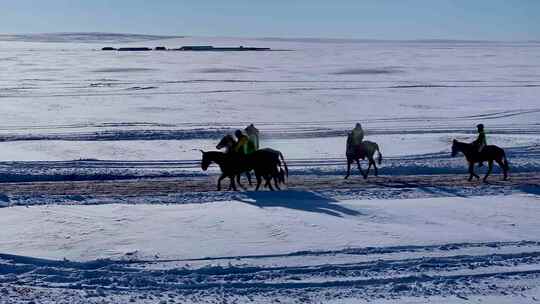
<point>490,271</point>
<point>116,131</point>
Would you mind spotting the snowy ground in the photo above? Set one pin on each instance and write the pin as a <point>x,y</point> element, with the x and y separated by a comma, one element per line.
<point>106,203</point>
<point>286,247</point>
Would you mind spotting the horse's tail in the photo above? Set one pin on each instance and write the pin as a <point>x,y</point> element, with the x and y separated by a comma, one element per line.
<point>286,173</point>
<point>379,156</point>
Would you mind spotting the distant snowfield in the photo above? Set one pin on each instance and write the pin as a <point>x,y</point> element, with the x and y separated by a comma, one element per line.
<point>72,112</point>
<point>71,91</point>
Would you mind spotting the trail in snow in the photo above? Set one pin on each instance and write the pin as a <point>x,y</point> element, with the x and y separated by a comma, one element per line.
<point>524,159</point>
<point>458,271</point>
<point>197,189</point>
<point>272,130</point>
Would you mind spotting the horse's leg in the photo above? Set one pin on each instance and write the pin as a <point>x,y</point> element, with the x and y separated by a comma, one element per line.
<point>259,181</point>
<point>268,182</point>
<point>490,167</point>
<point>219,182</point>
<point>276,183</point>
<point>348,168</point>
<point>471,171</point>
<point>238,181</point>
<point>375,167</point>
<point>248,175</point>
<point>370,162</point>
<point>233,184</point>
<point>275,176</point>
<point>360,169</point>
<point>500,162</point>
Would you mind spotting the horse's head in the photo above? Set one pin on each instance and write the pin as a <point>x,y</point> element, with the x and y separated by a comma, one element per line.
<point>226,142</point>
<point>455,148</point>
<point>206,161</point>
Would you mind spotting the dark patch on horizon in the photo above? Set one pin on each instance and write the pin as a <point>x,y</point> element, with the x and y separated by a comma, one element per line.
<point>122,70</point>
<point>222,70</point>
<point>374,71</point>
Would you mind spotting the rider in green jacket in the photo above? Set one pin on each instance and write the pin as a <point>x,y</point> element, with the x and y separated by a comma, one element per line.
<point>480,141</point>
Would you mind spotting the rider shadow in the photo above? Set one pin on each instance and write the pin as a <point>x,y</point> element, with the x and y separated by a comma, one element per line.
<point>299,200</point>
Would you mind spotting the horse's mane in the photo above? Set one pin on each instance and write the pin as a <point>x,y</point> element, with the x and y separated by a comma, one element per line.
<point>215,154</point>
<point>463,144</point>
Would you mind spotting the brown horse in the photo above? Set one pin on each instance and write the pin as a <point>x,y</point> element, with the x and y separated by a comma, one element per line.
<point>489,153</point>
<point>365,150</point>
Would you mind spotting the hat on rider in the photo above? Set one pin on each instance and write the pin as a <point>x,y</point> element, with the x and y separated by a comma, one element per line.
<point>480,126</point>
<point>238,133</point>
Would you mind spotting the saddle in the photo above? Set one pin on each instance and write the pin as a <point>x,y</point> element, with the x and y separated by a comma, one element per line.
<point>479,155</point>
<point>355,150</point>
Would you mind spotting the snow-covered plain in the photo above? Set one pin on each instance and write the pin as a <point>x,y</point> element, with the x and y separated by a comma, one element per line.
<point>71,112</point>
<point>287,247</point>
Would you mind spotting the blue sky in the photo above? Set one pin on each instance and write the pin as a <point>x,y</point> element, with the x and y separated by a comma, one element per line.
<point>370,19</point>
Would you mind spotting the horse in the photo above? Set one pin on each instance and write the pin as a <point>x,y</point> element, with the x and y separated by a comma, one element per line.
<point>263,162</point>
<point>365,149</point>
<point>489,153</point>
<point>228,142</point>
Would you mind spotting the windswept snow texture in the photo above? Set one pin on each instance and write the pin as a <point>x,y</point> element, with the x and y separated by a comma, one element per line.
<point>103,199</point>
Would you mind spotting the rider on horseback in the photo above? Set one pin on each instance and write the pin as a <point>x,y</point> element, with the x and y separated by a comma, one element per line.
<point>357,134</point>
<point>253,138</point>
<point>356,139</point>
<point>480,141</point>
<point>241,146</point>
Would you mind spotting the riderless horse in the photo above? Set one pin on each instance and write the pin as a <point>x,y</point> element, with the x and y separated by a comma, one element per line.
<point>489,153</point>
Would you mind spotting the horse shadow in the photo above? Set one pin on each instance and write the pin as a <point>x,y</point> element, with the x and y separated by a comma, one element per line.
<point>299,200</point>
<point>530,189</point>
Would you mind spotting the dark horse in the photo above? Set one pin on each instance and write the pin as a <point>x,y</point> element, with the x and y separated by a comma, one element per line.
<point>489,153</point>
<point>263,162</point>
<point>228,142</point>
<point>365,150</point>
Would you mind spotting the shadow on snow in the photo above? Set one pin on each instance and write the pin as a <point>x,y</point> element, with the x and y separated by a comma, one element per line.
<point>298,200</point>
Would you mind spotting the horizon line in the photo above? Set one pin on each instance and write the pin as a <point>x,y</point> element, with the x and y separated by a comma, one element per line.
<point>280,38</point>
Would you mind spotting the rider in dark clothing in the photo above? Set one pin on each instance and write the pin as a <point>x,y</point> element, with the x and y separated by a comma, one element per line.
<point>253,138</point>
<point>356,138</point>
<point>480,141</point>
<point>357,134</point>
